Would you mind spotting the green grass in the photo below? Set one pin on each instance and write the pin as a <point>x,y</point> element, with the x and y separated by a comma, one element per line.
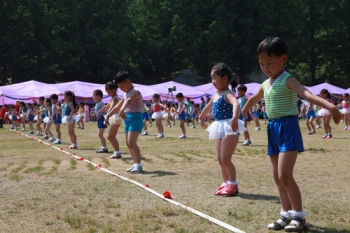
<point>49,191</point>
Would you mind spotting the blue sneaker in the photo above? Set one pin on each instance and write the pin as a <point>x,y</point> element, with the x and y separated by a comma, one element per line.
<point>57,141</point>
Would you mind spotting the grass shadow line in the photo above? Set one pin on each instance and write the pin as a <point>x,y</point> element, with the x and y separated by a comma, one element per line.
<point>252,196</point>
<point>159,173</point>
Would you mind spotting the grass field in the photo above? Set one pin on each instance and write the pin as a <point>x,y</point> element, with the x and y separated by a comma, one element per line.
<point>45,190</point>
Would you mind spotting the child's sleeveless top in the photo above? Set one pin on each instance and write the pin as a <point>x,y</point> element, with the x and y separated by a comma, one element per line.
<point>222,109</point>
<point>280,101</point>
<point>346,104</point>
<point>98,106</point>
<point>136,105</point>
<point>66,109</point>
<point>156,108</point>
<point>49,111</point>
<point>242,101</point>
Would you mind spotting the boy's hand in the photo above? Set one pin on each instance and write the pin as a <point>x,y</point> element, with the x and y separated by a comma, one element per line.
<point>245,115</point>
<point>106,120</point>
<point>122,115</point>
<point>234,125</point>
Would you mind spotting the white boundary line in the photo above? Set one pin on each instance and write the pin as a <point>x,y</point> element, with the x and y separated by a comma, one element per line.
<point>99,166</point>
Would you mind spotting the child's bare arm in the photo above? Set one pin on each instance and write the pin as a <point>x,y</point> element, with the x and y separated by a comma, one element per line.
<point>251,101</point>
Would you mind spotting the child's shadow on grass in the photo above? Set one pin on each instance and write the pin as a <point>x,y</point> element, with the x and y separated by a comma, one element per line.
<point>251,196</point>
<point>159,173</point>
<point>313,228</point>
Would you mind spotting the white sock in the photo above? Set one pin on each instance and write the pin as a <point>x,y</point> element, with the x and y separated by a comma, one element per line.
<point>138,165</point>
<point>231,182</point>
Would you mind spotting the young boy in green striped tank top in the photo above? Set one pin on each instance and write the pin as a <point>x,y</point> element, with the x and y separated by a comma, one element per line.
<point>280,92</point>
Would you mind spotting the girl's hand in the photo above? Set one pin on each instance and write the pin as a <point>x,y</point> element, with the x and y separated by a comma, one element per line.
<point>234,124</point>
<point>122,115</point>
<point>106,119</point>
<point>202,123</point>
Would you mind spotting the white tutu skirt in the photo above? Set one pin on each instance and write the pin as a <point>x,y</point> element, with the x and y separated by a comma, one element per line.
<point>75,118</point>
<point>21,115</point>
<point>115,120</point>
<point>345,111</point>
<point>157,115</point>
<point>82,115</point>
<point>165,115</point>
<point>323,112</point>
<point>35,118</point>
<point>220,129</point>
<point>47,120</point>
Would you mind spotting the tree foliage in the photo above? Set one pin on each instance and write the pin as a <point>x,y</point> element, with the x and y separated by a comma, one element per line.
<point>55,41</point>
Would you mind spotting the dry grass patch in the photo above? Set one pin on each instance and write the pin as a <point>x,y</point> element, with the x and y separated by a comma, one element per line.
<point>45,190</point>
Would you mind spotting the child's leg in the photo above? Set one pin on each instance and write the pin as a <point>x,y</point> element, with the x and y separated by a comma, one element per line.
<point>38,126</point>
<point>311,122</point>
<point>145,125</point>
<point>282,169</point>
<point>58,131</point>
<point>47,129</point>
<point>82,122</point>
<point>246,133</point>
<point>131,142</point>
<point>23,122</point>
<point>101,137</point>
<point>224,151</point>
<point>112,134</point>
<point>346,117</point>
<point>30,123</point>
<point>71,132</point>
<point>182,126</point>
<point>257,123</point>
<point>159,125</point>
<point>308,124</point>
<point>327,127</point>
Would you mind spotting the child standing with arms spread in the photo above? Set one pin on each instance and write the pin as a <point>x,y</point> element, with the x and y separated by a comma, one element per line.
<point>284,137</point>
<point>158,115</point>
<point>130,109</point>
<point>115,120</point>
<point>346,110</point>
<point>57,117</point>
<point>97,96</point>
<point>325,114</point>
<point>68,112</point>
<point>181,113</point>
<point>225,127</point>
<point>242,100</point>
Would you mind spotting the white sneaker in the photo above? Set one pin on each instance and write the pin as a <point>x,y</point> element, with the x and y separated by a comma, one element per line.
<point>144,133</point>
<point>58,141</point>
<point>45,137</point>
<point>52,139</point>
<point>116,155</point>
<point>31,132</point>
<point>182,136</point>
<point>129,169</point>
<point>257,128</point>
<point>160,135</point>
<point>136,169</point>
<point>38,134</point>
<point>246,142</point>
<point>23,129</point>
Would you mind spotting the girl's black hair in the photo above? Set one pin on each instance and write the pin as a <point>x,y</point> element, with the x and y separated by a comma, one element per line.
<point>157,96</point>
<point>48,100</point>
<point>71,94</point>
<point>111,86</point>
<point>346,94</point>
<point>222,70</point>
<point>326,92</point>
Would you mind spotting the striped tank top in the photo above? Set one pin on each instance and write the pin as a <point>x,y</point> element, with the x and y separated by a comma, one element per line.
<point>280,101</point>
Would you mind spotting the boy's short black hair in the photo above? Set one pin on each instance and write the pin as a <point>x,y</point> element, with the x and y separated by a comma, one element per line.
<point>111,86</point>
<point>98,92</point>
<point>179,95</point>
<point>54,97</point>
<point>121,76</point>
<point>272,45</point>
<point>42,98</point>
<point>242,88</point>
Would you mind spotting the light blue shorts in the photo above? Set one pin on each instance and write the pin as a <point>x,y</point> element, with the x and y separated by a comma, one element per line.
<point>284,135</point>
<point>133,122</point>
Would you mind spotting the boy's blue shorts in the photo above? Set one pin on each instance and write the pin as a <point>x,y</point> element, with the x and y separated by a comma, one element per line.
<point>101,122</point>
<point>244,119</point>
<point>284,135</point>
<point>264,114</point>
<point>311,114</point>
<point>182,116</point>
<point>133,122</point>
<point>57,120</point>
<point>145,116</point>
<point>31,117</point>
